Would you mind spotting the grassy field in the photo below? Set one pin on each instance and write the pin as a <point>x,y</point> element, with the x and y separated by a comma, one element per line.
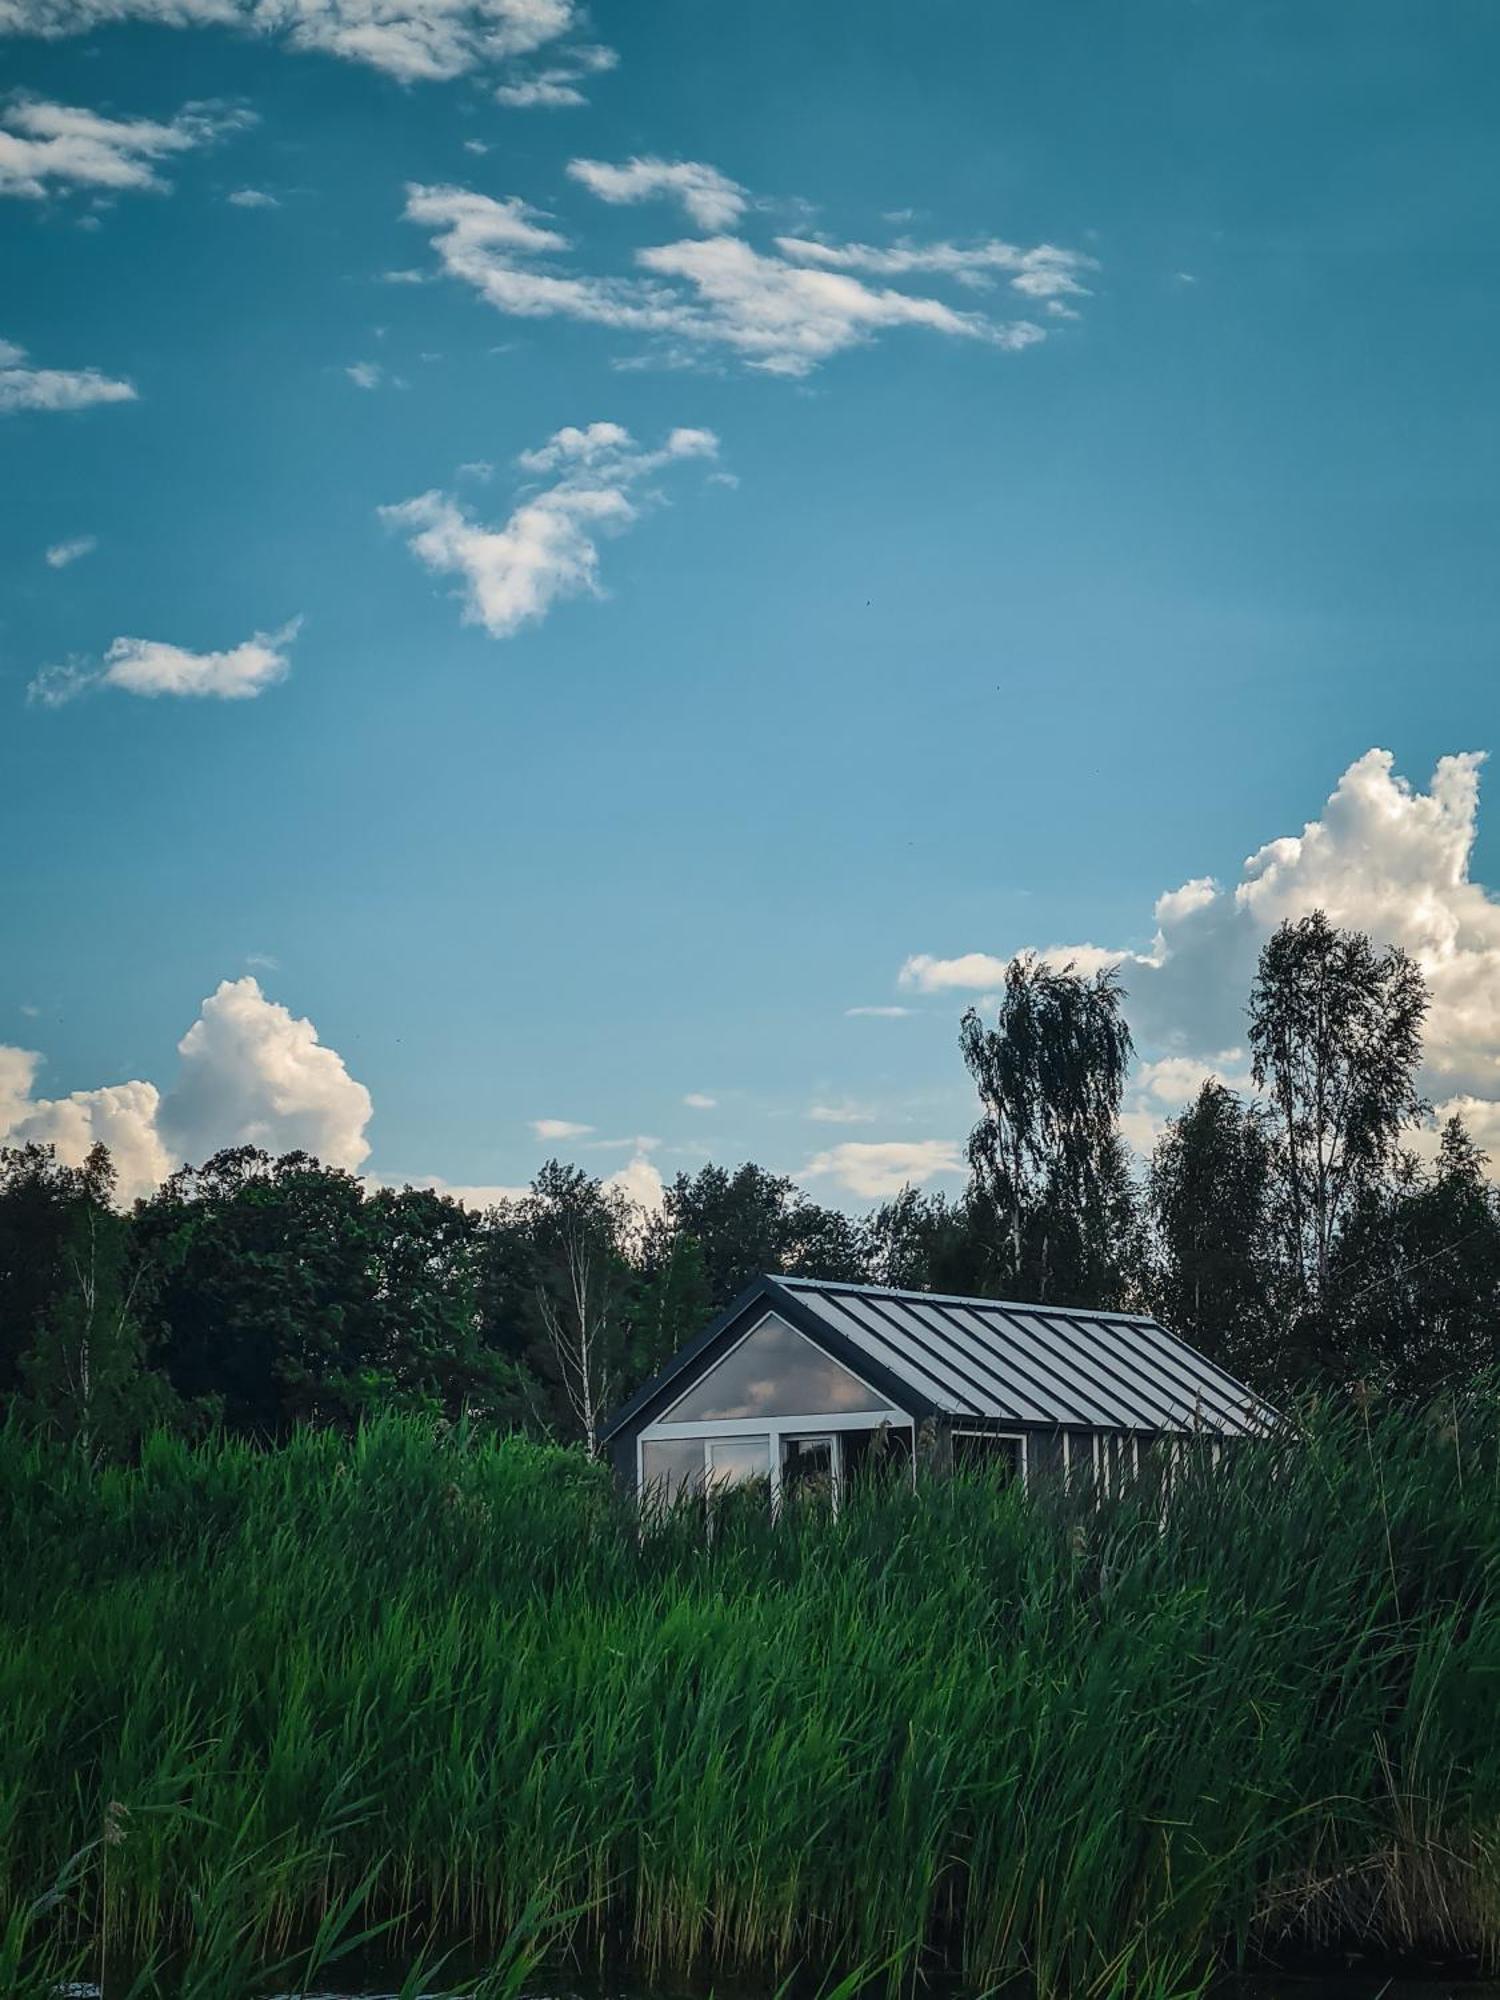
<point>445,1684</point>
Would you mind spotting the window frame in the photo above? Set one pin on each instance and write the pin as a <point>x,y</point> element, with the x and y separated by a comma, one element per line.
<point>1023,1456</point>
<point>806,1423</point>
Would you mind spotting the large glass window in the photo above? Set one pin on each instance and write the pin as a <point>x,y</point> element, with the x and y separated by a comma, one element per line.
<point>671,1469</point>
<point>773,1372</point>
<point>809,1467</point>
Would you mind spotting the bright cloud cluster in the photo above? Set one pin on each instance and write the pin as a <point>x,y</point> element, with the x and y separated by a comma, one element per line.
<point>251,1073</point>
<point>415,40</point>
<point>152,667</point>
<point>1384,858</point>
<point>785,313</point>
<point>23,387</point>
<point>48,147</point>
<point>548,548</point>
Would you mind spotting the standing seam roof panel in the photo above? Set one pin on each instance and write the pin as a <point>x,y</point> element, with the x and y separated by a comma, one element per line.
<point>988,1392</point>
<point>892,1357</point>
<point>1134,1408</point>
<point>1073,1401</point>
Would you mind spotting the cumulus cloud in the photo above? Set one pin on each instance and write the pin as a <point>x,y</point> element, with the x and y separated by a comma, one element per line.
<point>62,553</point>
<point>559,1128</point>
<point>23,387</point>
<point>640,1182</point>
<point>874,1169</point>
<point>699,1100</point>
<point>254,1074</point>
<point>1383,857</point>
<point>152,667</point>
<point>548,548</point>
<point>364,374</point>
<point>710,198</point>
<point>251,198</point>
<point>250,1073</point>
<point>46,147</point>
<point>688,297</point>
<point>413,40</point>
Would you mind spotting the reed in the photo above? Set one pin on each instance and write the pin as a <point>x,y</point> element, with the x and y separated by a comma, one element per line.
<point>444,1685</point>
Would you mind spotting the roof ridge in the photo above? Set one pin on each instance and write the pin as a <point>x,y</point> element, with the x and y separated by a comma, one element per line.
<point>961,1299</point>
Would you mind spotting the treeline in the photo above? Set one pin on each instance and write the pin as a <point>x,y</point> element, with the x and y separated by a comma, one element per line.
<point>1292,1231</point>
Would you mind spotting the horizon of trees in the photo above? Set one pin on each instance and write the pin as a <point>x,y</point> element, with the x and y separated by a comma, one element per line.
<point>1293,1234</point>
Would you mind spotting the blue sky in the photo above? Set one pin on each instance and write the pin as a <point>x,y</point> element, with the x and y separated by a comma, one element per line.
<point>889,637</point>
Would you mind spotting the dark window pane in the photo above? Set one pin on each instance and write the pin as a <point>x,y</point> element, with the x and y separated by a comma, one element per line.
<point>977,1452</point>
<point>806,1466</point>
<point>774,1372</point>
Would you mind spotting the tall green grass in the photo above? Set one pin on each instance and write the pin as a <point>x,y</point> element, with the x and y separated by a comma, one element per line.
<point>445,1684</point>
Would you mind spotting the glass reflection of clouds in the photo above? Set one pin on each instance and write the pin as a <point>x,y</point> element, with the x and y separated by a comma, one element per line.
<point>773,1372</point>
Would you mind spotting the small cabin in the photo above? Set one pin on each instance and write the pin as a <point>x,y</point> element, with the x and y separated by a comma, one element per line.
<point>805,1384</point>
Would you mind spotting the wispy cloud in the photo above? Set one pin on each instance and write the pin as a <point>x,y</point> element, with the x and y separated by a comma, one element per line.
<point>251,198</point>
<point>558,87</point>
<point>710,198</point>
<point>846,1112</point>
<point>877,1013</point>
<point>62,553</point>
<point>559,1128</point>
<point>686,297</point>
<point>415,40</point>
<point>23,387</point>
<point>548,548</point>
<point>364,374</point>
<point>151,667</point>
<point>47,147</point>
<point>1045,272</point>
<point>699,1100</point>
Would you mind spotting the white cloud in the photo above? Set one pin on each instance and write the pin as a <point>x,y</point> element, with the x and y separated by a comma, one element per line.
<point>251,1073</point>
<point>152,667</point>
<point>640,1181</point>
<point>414,40</point>
<point>1383,857</point>
<point>46,148</point>
<point>709,198</point>
<point>846,1112</point>
<point>699,1100</point>
<point>1043,272</point>
<point>556,88</point>
<point>878,1013</point>
<point>559,1128</point>
<point>62,553</point>
<point>254,1074</point>
<point>873,1169</point>
<point>971,971</point>
<point>364,374</point>
<point>547,549</point>
<point>782,317</point>
<point>251,198</point>
<point>23,387</point>
<point>479,1198</point>
<point>123,1116</point>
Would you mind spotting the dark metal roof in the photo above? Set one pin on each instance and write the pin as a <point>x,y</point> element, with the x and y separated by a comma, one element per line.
<point>990,1360</point>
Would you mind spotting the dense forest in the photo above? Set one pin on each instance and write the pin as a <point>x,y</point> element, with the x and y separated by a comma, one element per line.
<point>1311,1232</point>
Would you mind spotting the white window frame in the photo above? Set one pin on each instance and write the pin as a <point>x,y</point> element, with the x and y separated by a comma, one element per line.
<point>1009,1437</point>
<point>813,1424</point>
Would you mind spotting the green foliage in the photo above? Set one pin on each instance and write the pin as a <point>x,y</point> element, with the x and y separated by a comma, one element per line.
<point>445,1681</point>
<point>1046,1154</point>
